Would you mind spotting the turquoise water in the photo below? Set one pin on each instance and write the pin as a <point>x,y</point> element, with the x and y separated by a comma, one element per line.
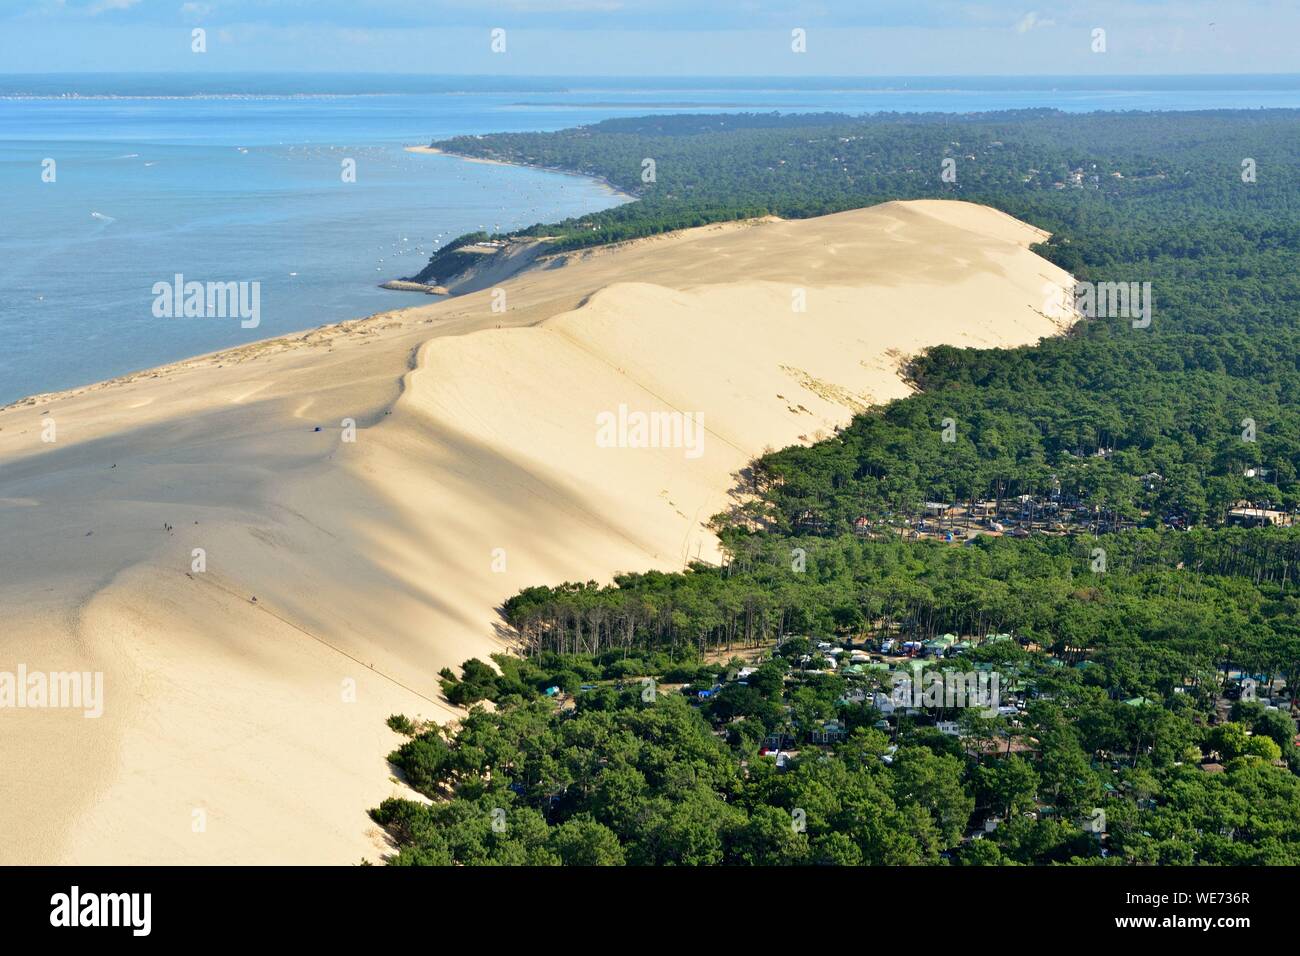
<point>239,179</point>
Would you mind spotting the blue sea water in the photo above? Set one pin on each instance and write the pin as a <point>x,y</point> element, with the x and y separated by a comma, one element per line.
<point>225,178</point>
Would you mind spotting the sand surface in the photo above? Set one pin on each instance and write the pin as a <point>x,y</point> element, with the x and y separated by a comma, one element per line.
<point>242,732</point>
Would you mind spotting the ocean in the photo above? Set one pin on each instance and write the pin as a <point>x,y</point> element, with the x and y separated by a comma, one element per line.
<point>112,184</point>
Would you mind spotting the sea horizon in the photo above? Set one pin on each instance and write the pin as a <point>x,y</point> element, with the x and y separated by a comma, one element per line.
<point>237,176</point>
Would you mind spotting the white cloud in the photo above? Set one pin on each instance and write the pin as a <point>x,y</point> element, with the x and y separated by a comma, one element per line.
<point>104,6</point>
<point>1031,21</point>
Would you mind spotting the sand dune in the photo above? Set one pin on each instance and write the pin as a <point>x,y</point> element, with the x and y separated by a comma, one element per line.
<point>478,468</point>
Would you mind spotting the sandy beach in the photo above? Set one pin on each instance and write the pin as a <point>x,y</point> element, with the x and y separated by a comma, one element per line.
<point>436,151</point>
<point>242,731</point>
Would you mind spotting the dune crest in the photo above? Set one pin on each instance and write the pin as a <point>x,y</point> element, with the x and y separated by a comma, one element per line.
<point>493,451</point>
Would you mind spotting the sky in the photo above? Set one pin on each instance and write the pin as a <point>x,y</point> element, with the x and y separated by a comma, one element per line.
<point>654,37</point>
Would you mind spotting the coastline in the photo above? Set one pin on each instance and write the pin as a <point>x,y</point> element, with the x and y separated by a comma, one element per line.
<point>314,336</point>
<point>280,340</point>
<point>438,151</point>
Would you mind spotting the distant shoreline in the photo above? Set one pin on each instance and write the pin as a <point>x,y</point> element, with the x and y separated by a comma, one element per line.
<point>436,151</point>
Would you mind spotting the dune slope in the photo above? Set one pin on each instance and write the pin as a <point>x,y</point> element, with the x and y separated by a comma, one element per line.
<point>487,457</point>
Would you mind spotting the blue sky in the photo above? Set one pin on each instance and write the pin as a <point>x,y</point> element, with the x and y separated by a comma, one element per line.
<point>654,37</point>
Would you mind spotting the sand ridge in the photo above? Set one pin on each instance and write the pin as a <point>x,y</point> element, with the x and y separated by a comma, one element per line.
<point>477,469</point>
